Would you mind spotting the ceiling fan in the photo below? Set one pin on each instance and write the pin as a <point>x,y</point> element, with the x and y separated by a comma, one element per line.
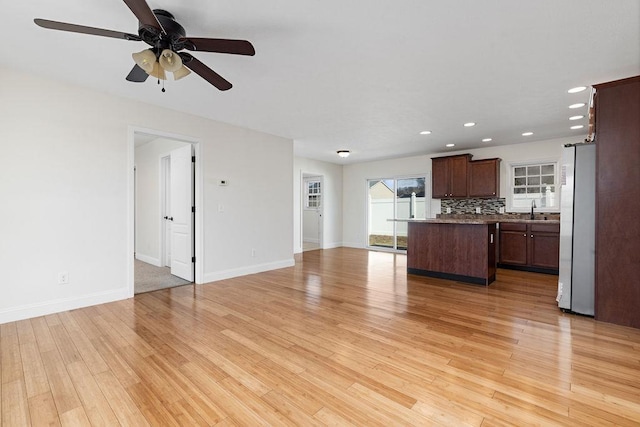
<point>167,38</point>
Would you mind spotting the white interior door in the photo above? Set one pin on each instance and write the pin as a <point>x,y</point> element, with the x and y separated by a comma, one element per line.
<point>181,214</point>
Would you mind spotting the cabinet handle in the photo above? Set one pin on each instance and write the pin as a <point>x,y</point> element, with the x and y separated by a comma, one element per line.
<point>525,234</point>
<point>532,236</point>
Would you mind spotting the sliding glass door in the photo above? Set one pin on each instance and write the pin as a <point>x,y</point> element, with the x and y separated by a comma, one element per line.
<point>393,198</point>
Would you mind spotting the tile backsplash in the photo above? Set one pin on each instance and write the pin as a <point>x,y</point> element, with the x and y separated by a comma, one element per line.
<point>468,206</point>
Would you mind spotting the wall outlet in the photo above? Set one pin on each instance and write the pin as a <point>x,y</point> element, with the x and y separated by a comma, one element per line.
<point>478,210</point>
<point>448,210</point>
<point>63,278</point>
<point>253,252</point>
<point>220,207</point>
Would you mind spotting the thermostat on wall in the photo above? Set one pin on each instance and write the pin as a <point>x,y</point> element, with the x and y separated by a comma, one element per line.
<point>223,182</point>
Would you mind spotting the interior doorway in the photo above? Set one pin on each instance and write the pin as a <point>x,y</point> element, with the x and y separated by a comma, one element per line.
<point>165,198</point>
<point>312,223</point>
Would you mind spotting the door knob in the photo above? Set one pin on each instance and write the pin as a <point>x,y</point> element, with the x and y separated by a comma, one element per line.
<point>171,219</point>
<point>166,217</point>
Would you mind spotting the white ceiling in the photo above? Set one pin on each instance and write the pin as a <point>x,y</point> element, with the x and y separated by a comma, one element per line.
<point>365,75</point>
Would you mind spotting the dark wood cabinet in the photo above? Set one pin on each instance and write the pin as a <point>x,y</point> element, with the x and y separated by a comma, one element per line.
<point>484,178</point>
<point>530,246</point>
<point>617,281</point>
<point>513,244</point>
<point>463,252</point>
<point>449,176</point>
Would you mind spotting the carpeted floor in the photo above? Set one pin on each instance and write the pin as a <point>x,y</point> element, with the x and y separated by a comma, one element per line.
<point>149,278</point>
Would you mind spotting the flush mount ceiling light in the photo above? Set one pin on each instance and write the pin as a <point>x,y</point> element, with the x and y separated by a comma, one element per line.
<point>343,153</point>
<point>576,117</point>
<point>577,127</point>
<point>578,105</point>
<point>425,132</point>
<point>527,134</point>
<point>487,140</point>
<point>450,145</point>
<point>469,124</point>
<point>577,89</point>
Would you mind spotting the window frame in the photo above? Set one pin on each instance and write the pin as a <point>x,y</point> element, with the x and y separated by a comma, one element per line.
<point>511,184</point>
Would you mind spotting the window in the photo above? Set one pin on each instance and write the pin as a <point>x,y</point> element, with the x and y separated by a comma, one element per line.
<point>313,194</point>
<point>537,182</point>
<point>394,198</point>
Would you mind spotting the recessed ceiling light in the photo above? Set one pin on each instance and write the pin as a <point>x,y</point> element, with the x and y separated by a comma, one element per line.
<point>468,125</point>
<point>578,105</point>
<point>576,117</point>
<point>577,127</point>
<point>487,140</point>
<point>450,145</point>
<point>577,89</point>
<point>527,134</point>
<point>425,132</point>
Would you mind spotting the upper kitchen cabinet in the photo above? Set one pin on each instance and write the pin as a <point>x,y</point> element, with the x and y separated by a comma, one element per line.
<point>484,178</point>
<point>449,176</point>
<point>617,137</point>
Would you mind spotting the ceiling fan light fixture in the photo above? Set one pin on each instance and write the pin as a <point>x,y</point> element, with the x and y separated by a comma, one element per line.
<point>170,61</point>
<point>158,72</point>
<point>343,153</point>
<point>181,72</point>
<point>145,60</point>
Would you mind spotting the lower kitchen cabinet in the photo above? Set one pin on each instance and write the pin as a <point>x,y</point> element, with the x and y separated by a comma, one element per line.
<point>530,246</point>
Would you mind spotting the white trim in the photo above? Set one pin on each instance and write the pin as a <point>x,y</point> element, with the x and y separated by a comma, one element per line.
<point>29,311</point>
<point>333,245</point>
<point>199,200</point>
<point>243,271</point>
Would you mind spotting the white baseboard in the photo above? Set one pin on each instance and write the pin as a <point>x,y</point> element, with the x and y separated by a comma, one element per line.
<point>308,240</point>
<point>333,245</point>
<point>148,259</point>
<point>243,271</point>
<point>63,304</point>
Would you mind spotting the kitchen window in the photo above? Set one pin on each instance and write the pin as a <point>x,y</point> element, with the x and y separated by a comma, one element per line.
<point>533,182</point>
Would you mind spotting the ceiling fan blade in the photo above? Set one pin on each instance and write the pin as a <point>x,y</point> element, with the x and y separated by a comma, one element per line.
<point>137,74</point>
<point>145,15</point>
<point>63,26</point>
<point>205,72</point>
<point>235,47</point>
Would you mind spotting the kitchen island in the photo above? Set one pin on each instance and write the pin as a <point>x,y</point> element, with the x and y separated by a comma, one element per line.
<point>457,249</point>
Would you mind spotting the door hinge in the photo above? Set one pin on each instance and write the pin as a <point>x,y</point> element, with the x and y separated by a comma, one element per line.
<point>193,159</point>
<point>193,259</point>
<point>193,208</point>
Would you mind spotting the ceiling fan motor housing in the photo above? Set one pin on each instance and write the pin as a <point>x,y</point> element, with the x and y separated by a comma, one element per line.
<point>173,37</point>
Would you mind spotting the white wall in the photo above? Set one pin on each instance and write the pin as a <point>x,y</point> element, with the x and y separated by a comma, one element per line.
<point>355,178</point>
<point>332,199</point>
<point>65,181</point>
<point>148,197</point>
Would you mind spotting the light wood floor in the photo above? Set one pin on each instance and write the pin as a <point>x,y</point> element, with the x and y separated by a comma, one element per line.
<point>344,337</point>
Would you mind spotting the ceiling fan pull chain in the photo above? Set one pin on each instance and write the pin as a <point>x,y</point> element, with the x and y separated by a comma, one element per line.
<point>163,87</point>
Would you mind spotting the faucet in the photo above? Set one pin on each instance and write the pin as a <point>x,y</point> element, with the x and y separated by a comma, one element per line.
<point>533,205</point>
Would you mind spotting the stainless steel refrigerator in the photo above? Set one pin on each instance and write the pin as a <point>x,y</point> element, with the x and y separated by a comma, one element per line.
<point>576,279</point>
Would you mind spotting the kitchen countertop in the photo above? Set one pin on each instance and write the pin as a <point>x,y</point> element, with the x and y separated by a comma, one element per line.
<point>449,221</point>
<point>478,220</point>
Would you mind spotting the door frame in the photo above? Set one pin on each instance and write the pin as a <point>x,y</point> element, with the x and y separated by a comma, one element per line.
<point>198,200</point>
